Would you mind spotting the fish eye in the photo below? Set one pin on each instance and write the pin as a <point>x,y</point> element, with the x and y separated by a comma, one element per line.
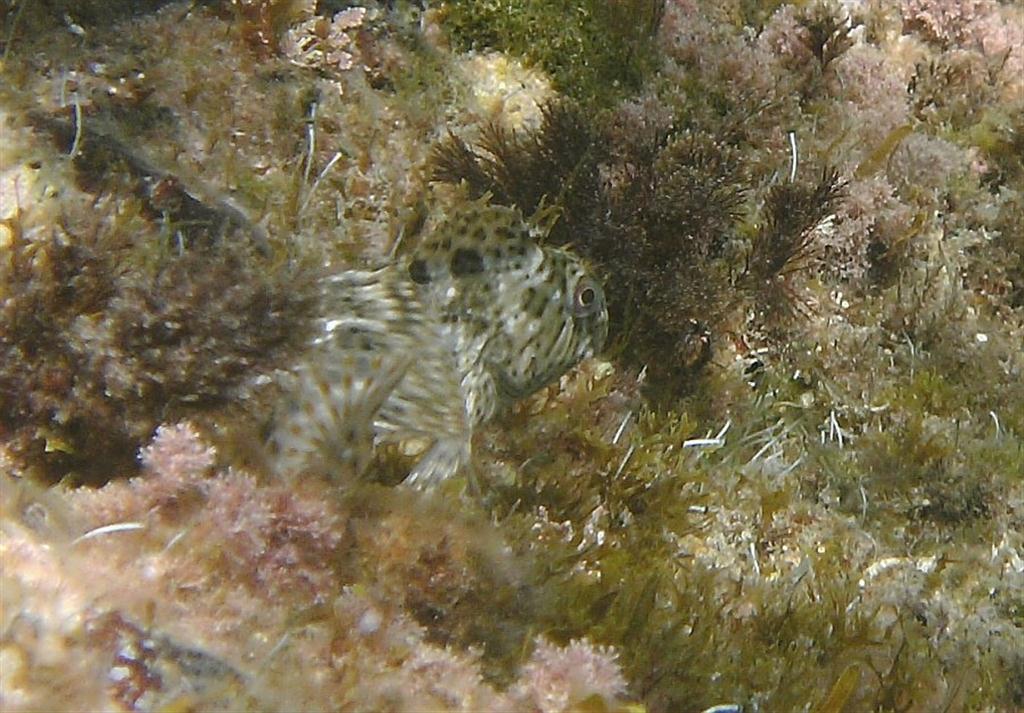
<point>586,299</point>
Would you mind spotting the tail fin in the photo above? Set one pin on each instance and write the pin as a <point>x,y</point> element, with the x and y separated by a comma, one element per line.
<point>329,426</point>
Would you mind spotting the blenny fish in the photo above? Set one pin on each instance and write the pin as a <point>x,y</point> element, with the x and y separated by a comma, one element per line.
<point>479,315</point>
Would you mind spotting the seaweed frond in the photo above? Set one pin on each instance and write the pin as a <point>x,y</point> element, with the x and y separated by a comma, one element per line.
<point>784,244</point>
<point>525,169</point>
<point>828,32</point>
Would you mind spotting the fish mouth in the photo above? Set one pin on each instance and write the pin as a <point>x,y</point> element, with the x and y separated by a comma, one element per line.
<point>599,336</point>
<point>511,390</point>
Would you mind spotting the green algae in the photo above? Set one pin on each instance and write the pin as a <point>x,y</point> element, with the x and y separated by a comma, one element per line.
<point>595,52</point>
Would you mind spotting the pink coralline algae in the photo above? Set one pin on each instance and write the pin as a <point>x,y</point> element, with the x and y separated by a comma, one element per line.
<point>946,21</point>
<point>174,464</point>
<point>318,42</point>
<point>177,453</point>
<point>993,28</point>
<point>273,537</point>
<point>557,678</point>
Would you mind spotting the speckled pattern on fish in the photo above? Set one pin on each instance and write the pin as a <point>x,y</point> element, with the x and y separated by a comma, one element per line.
<point>478,316</point>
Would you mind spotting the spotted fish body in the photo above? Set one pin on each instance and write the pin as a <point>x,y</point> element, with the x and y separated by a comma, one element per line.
<point>478,316</point>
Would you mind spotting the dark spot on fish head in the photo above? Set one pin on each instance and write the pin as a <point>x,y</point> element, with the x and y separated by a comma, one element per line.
<point>418,272</point>
<point>466,262</point>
